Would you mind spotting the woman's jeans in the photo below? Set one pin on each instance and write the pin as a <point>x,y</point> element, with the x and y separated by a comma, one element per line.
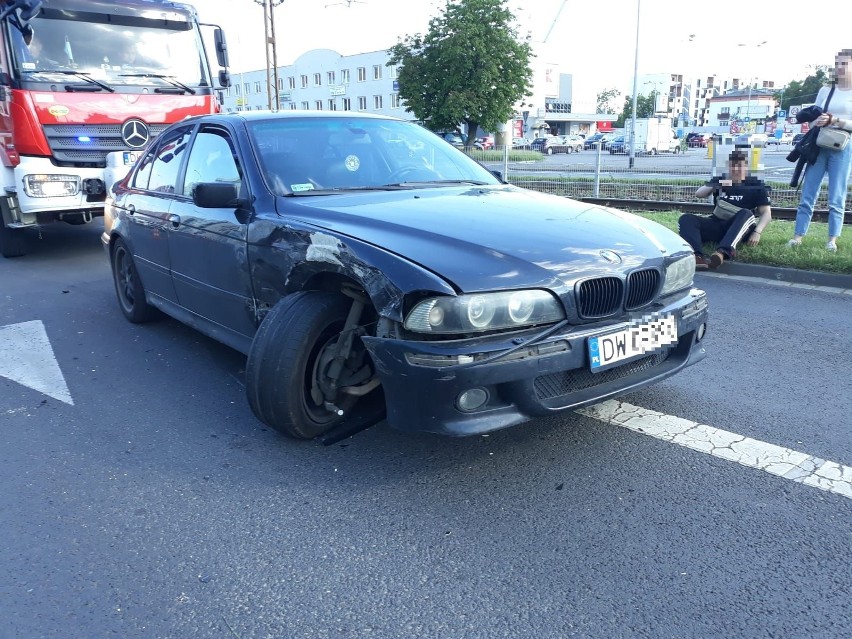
<point>836,164</point>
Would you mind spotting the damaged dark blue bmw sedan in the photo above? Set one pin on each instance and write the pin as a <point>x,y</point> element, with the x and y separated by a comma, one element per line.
<point>369,270</point>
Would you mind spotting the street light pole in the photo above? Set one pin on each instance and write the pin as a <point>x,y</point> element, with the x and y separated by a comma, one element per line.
<point>635,81</point>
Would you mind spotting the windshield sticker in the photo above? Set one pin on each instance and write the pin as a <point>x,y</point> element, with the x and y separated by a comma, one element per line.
<point>298,188</point>
<point>352,163</point>
<point>28,65</point>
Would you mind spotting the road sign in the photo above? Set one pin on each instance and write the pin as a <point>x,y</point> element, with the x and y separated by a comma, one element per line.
<point>782,114</point>
<point>794,110</point>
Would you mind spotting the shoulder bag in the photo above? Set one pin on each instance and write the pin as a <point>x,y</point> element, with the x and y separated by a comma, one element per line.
<point>725,210</point>
<point>830,137</point>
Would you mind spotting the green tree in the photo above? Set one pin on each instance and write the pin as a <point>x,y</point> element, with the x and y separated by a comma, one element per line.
<point>645,107</point>
<point>470,67</point>
<point>604,100</point>
<point>803,91</point>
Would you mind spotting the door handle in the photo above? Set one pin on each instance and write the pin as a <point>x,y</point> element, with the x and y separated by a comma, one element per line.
<point>131,209</point>
<point>174,220</point>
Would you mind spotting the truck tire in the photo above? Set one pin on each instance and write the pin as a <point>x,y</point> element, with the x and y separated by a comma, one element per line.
<point>12,241</point>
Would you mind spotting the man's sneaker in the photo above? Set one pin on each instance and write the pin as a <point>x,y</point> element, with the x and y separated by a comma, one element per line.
<point>716,259</point>
<point>701,263</point>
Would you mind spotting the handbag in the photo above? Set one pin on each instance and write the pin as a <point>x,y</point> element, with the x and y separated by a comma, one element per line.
<point>830,137</point>
<point>725,210</point>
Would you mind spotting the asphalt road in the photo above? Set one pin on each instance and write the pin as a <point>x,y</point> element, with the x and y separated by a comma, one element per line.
<point>157,506</point>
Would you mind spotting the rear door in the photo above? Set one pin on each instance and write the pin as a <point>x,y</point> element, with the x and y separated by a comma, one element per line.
<point>147,205</point>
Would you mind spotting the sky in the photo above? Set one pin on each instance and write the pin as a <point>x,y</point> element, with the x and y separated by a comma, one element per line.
<point>593,40</point>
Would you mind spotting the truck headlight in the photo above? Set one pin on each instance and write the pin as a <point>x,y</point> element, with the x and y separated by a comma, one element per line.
<point>43,185</point>
<point>484,312</point>
<point>679,275</point>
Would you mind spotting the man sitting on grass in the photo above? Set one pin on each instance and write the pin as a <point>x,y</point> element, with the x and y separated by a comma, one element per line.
<point>737,197</point>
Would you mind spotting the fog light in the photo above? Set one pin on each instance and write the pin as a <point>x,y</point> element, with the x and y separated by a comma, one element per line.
<point>472,399</point>
<point>699,333</point>
<point>41,185</point>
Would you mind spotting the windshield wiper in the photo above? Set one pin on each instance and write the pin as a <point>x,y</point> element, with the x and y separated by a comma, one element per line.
<point>346,189</point>
<point>78,74</point>
<point>166,78</point>
<point>430,182</point>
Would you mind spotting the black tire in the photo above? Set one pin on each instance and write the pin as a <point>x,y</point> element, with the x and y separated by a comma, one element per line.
<point>12,241</point>
<point>550,151</point>
<point>284,363</point>
<point>128,286</point>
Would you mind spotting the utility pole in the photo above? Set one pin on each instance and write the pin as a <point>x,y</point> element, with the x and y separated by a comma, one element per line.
<point>271,54</point>
<point>635,80</point>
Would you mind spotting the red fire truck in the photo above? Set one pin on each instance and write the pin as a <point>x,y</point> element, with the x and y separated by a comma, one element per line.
<point>84,85</point>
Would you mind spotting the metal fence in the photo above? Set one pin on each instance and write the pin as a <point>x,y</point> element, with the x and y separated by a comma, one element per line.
<point>666,177</point>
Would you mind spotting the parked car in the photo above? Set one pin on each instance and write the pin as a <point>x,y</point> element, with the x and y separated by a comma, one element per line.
<point>559,144</point>
<point>521,143</point>
<point>786,138</point>
<point>698,140</point>
<point>751,139</point>
<point>362,285</point>
<point>453,138</point>
<point>592,141</point>
<point>617,145</point>
<point>607,139</point>
<point>484,144</point>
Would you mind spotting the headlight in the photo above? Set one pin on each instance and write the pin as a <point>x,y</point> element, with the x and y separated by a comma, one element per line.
<point>484,312</point>
<point>679,275</point>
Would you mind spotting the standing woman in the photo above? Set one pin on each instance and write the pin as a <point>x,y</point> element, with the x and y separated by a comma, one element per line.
<point>834,163</point>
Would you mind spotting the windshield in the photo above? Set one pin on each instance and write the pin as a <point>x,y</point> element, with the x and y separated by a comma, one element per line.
<point>115,54</point>
<point>314,155</point>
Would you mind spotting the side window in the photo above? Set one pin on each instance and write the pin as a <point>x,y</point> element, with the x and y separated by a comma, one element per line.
<point>212,159</point>
<point>140,180</point>
<point>166,166</point>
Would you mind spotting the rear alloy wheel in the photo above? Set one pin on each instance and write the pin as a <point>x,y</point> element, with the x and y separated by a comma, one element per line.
<point>550,150</point>
<point>12,241</point>
<point>289,373</point>
<point>128,286</point>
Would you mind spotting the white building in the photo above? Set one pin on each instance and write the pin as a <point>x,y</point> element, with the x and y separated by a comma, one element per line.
<point>745,109</point>
<point>324,80</point>
<point>686,100</point>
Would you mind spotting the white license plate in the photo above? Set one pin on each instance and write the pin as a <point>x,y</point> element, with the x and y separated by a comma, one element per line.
<point>130,157</point>
<point>633,342</point>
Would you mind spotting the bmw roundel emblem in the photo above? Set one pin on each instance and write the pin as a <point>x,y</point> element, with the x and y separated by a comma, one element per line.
<point>611,256</point>
<point>135,133</point>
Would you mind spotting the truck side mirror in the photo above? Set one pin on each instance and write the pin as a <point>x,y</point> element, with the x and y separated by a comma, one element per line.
<point>224,78</point>
<point>221,48</point>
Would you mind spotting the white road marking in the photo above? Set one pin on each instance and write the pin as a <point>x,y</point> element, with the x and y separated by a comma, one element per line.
<point>26,357</point>
<point>783,462</point>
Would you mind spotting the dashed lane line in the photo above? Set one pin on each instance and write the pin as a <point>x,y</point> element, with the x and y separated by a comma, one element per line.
<point>775,460</point>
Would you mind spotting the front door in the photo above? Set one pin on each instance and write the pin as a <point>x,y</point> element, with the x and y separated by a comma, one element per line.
<point>208,246</point>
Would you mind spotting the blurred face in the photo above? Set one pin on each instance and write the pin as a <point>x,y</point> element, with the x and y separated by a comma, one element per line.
<point>737,170</point>
<point>842,64</point>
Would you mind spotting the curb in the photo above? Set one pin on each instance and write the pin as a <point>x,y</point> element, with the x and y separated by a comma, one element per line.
<point>787,275</point>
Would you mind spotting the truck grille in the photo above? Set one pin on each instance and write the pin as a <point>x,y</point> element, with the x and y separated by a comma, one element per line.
<point>103,138</point>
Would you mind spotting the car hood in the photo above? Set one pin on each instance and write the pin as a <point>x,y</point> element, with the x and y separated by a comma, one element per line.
<point>494,237</point>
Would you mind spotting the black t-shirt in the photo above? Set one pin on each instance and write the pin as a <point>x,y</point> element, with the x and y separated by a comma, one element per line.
<point>748,194</point>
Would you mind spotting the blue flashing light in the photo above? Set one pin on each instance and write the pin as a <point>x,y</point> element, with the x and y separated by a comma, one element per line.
<point>84,138</point>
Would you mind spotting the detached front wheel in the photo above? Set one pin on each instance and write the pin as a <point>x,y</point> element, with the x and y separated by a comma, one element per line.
<point>296,370</point>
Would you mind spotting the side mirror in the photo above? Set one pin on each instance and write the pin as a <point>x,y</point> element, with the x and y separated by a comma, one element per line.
<point>216,195</point>
<point>221,47</point>
<point>498,175</point>
<point>224,78</point>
